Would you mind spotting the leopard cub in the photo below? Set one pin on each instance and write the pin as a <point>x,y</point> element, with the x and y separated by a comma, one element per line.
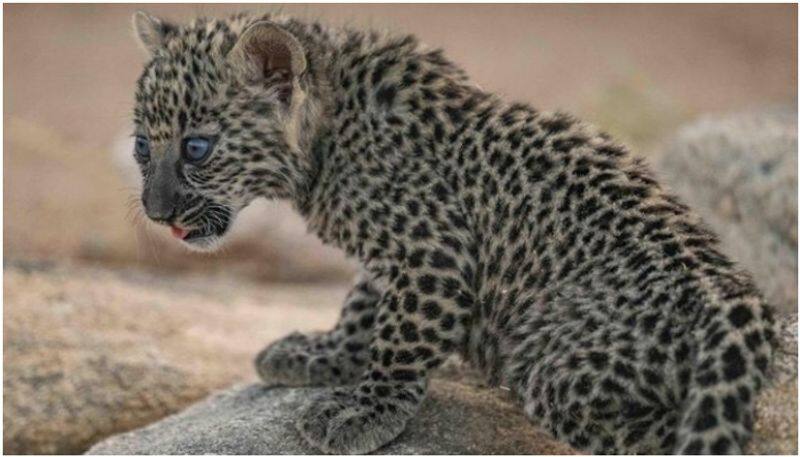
<point>528,242</point>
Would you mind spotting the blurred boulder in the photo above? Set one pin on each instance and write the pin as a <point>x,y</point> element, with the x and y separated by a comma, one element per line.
<point>740,173</point>
<point>89,352</point>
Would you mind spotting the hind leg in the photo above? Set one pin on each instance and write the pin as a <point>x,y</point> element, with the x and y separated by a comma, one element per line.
<point>733,355</point>
<point>595,390</point>
<point>593,411</point>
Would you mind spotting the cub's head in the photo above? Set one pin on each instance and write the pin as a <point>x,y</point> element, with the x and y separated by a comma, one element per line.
<point>219,108</point>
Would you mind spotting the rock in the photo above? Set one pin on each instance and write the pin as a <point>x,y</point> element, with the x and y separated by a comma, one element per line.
<point>740,174</point>
<point>89,352</point>
<point>460,417</point>
<point>455,419</point>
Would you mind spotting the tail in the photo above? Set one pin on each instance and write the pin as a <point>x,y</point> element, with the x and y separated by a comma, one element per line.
<point>734,339</point>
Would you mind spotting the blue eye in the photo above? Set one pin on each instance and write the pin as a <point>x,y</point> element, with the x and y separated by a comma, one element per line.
<point>142,147</point>
<point>196,149</point>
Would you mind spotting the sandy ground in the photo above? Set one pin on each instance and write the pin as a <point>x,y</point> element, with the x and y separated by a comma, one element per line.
<point>90,352</point>
<point>634,69</point>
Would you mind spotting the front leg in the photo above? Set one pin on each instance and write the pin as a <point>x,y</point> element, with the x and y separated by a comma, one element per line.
<point>336,357</point>
<point>421,319</point>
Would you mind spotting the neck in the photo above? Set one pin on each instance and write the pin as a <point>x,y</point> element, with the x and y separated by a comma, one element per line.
<point>352,73</point>
<point>312,105</point>
<point>330,53</point>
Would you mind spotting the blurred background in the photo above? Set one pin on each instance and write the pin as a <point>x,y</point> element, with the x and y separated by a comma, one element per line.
<point>87,290</point>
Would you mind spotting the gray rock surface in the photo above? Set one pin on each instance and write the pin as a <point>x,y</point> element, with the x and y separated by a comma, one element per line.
<point>461,416</point>
<point>457,418</point>
<point>740,173</point>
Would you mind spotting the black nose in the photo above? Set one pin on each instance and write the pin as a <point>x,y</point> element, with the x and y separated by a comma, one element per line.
<point>159,210</point>
<point>161,197</point>
<point>163,218</point>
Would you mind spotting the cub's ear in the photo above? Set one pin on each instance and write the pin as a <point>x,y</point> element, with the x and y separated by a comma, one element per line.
<point>268,54</point>
<point>151,31</point>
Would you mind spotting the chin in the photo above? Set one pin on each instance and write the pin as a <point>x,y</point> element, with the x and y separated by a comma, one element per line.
<point>209,243</point>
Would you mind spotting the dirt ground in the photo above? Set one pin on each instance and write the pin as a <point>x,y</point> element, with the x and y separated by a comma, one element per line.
<point>637,70</point>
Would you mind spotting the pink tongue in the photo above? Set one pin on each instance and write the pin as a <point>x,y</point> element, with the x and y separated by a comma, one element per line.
<point>179,233</point>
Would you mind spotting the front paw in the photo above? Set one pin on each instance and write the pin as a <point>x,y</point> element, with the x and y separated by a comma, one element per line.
<point>306,360</point>
<point>284,362</point>
<point>345,421</point>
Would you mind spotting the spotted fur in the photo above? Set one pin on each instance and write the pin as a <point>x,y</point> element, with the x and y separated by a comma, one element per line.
<point>533,245</point>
